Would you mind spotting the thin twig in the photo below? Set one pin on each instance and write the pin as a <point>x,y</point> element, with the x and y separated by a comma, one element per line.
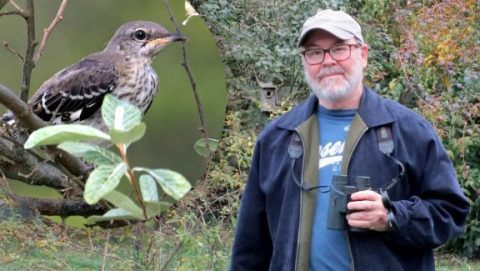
<point>194,86</point>
<point>17,7</point>
<point>13,12</point>
<point>28,64</point>
<point>11,50</point>
<point>171,256</point>
<point>148,253</point>
<point>105,252</point>
<point>137,243</point>
<point>47,31</point>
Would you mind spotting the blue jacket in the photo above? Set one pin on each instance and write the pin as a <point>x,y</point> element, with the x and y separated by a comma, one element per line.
<point>275,219</point>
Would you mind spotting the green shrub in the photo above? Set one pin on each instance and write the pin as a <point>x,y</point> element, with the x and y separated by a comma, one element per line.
<point>439,59</point>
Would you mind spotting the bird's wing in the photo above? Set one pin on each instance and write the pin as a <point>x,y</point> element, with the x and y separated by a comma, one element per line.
<point>76,92</point>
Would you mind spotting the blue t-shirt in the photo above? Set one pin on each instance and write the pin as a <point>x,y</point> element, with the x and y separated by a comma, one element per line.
<point>329,250</point>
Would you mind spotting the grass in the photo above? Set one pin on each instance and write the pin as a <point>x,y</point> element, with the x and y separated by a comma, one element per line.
<point>448,262</point>
<point>36,246</point>
<point>153,246</point>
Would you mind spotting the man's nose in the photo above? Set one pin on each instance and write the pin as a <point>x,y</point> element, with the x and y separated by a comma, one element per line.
<point>328,59</point>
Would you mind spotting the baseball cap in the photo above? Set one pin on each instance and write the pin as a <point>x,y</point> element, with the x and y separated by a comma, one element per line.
<point>337,23</point>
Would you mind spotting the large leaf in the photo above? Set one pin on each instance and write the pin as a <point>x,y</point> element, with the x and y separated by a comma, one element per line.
<point>201,147</point>
<point>91,153</point>
<point>120,115</point>
<point>112,214</point>
<point>130,136</point>
<point>52,135</point>
<point>103,180</point>
<point>123,201</point>
<point>172,183</point>
<point>148,187</point>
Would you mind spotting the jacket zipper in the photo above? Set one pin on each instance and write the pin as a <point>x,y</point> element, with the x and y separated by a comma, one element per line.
<point>346,170</point>
<point>301,201</point>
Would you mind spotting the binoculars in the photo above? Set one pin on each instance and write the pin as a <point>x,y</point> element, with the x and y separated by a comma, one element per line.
<point>340,193</point>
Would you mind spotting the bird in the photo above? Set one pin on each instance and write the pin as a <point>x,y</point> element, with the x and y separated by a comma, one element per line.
<point>123,69</point>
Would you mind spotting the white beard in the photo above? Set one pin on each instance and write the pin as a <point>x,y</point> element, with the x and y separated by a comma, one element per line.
<point>338,88</point>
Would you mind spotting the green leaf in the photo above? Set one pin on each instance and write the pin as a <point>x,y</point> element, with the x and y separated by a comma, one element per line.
<point>173,183</point>
<point>120,115</point>
<point>103,180</point>
<point>156,208</point>
<point>91,153</point>
<point>201,147</point>
<point>123,201</point>
<point>112,214</point>
<point>130,136</point>
<point>56,134</point>
<point>148,187</point>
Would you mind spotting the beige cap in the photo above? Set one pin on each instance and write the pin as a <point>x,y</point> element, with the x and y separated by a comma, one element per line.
<point>337,23</point>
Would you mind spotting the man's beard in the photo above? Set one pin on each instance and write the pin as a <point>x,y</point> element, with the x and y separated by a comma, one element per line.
<point>337,88</point>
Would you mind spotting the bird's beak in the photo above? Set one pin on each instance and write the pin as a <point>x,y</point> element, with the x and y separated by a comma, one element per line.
<point>171,37</point>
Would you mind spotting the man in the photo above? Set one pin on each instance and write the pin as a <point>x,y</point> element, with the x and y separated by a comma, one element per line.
<point>414,203</point>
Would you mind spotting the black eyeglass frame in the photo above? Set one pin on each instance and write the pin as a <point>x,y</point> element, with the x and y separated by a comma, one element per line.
<point>325,51</point>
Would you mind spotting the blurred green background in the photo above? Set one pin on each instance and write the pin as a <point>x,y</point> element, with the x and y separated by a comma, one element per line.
<point>172,122</point>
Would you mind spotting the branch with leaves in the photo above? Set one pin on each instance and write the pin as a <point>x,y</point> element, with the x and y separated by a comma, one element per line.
<point>110,169</point>
<point>40,162</point>
<point>57,169</point>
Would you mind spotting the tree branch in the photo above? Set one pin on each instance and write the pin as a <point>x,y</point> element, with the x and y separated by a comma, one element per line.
<point>28,64</point>
<point>17,7</point>
<point>15,53</point>
<point>60,207</point>
<point>13,12</point>
<point>20,109</point>
<point>28,168</point>
<point>47,31</point>
<point>32,122</point>
<point>198,101</point>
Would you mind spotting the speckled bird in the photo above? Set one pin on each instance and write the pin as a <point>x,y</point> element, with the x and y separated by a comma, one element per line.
<point>123,68</point>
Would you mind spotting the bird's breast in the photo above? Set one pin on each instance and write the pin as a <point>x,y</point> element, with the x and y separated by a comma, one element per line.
<point>137,85</point>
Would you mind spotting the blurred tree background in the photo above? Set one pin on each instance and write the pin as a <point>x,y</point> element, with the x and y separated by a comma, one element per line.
<point>172,121</point>
<point>423,53</point>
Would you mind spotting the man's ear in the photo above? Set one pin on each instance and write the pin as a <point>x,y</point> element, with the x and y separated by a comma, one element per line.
<point>364,55</point>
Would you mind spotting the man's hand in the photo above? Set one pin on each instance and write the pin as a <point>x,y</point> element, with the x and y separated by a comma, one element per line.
<point>366,210</point>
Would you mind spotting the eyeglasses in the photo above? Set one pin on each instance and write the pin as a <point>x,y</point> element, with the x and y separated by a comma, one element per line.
<point>338,52</point>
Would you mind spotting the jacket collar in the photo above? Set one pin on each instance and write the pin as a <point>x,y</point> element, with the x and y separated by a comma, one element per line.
<point>372,111</point>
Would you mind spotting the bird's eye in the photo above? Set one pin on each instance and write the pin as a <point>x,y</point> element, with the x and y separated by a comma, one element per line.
<point>140,35</point>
